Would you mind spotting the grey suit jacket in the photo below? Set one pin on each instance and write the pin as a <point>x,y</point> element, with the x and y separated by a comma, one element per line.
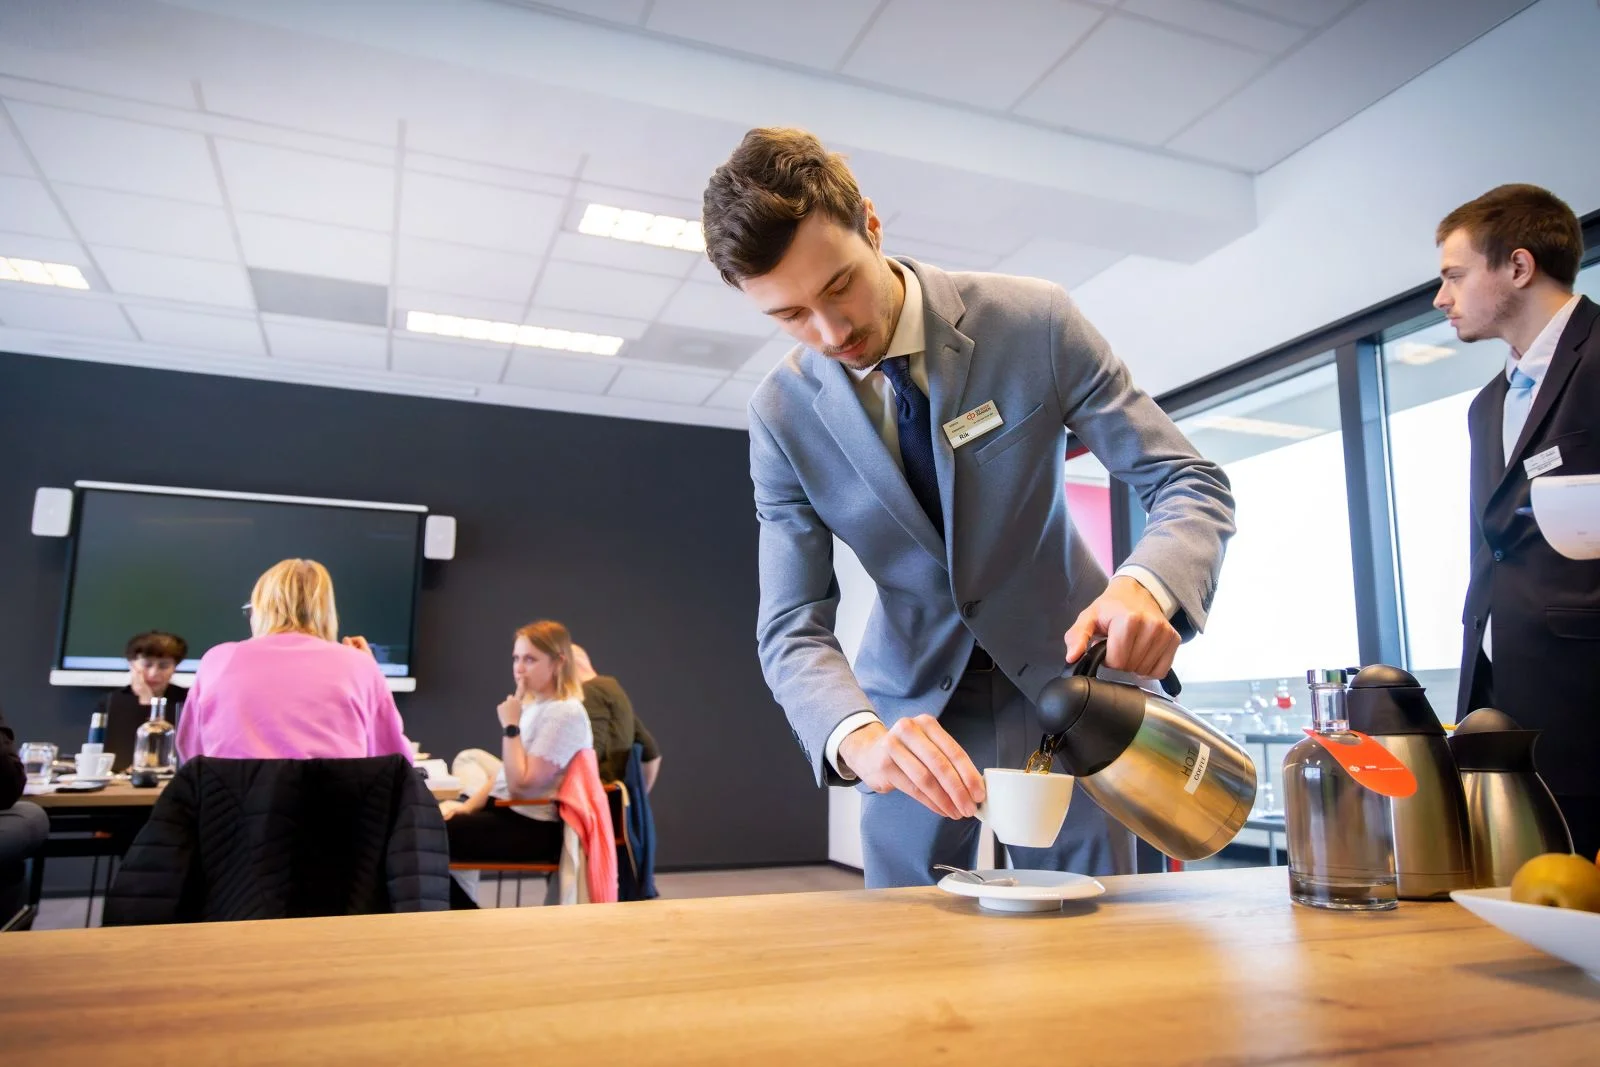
<point>1009,570</point>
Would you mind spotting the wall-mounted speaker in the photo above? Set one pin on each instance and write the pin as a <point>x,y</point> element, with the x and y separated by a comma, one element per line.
<point>439,537</point>
<point>52,512</point>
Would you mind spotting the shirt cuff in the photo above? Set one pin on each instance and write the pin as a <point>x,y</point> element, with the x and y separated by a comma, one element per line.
<point>1153,585</point>
<point>849,725</point>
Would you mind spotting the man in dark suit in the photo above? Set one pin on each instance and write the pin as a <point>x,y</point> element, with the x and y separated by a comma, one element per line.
<point>1508,264</point>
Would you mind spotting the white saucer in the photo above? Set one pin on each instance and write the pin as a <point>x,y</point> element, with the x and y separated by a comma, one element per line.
<point>82,781</point>
<point>1034,891</point>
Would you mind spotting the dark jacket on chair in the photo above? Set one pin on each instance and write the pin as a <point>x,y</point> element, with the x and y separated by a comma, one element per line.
<point>270,839</point>
<point>636,875</point>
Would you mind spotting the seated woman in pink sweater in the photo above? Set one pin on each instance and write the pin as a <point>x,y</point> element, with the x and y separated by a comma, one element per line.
<point>293,690</point>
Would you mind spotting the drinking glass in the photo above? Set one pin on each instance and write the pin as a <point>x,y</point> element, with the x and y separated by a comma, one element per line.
<point>37,759</point>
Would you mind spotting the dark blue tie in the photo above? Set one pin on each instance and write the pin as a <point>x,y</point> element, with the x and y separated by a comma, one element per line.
<point>915,424</point>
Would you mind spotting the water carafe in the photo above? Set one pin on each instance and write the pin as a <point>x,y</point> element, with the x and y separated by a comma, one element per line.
<point>1174,780</point>
<point>154,747</point>
<point>1341,845</point>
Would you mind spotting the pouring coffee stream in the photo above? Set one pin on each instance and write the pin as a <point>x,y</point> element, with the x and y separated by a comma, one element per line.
<point>1177,782</point>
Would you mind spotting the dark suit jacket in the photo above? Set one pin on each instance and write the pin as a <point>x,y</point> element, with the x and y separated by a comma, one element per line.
<point>12,778</point>
<point>1545,608</point>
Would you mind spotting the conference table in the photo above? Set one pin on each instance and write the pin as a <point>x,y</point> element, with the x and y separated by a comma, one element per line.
<point>1200,967</point>
<point>94,824</point>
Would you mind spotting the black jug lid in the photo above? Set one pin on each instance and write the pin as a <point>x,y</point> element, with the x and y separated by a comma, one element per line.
<point>1490,740</point>
<point>1486,720</point>
<point>1091,720</point>
<point>1386,700</point>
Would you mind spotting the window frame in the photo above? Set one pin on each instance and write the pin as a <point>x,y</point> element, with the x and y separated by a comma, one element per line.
<point>1355,345</point>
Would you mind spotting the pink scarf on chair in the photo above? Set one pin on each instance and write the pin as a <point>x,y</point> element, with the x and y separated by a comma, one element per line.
<point>582,803</point>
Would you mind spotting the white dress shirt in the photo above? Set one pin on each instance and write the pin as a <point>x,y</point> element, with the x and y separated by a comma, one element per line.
<point>877,398</point>
<point>1535,363</point>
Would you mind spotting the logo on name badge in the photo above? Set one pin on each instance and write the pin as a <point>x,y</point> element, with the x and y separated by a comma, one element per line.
<point>972,425</point>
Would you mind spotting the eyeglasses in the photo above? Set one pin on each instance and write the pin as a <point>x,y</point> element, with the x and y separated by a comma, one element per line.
<point>246,609</point>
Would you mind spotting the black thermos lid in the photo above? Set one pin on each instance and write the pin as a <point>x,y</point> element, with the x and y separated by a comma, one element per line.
<point>1385,700</point>
<point>1490,740</point>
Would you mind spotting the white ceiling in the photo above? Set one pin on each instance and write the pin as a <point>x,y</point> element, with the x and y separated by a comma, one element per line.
<point>443,151</point>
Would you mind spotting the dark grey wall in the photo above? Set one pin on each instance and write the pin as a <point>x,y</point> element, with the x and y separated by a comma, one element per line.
<point>639,536</point>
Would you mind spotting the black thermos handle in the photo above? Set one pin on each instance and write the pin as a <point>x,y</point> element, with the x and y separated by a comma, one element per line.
<point>1091,661</point>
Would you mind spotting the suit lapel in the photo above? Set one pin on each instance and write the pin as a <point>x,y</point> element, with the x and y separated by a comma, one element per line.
<point>840,410</point>
<point>1555,379</point>
<point>1485,418</point>
<point>948,358</point>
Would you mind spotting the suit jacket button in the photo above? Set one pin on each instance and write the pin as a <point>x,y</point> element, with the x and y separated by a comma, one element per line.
<point>970,608</point>
<point>1499,555</point>
<point>946,683</point>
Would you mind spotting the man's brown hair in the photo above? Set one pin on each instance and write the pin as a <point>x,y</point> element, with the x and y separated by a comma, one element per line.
<point>154,644</point>
<point>758,198</point>
<point>1510,217</point>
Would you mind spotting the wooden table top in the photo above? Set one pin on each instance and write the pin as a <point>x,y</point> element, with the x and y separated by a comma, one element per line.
<point>117,794</point>
<point>1201,967</point>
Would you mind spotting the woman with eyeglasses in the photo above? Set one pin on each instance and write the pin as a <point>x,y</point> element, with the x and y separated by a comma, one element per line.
<point>293,690</point>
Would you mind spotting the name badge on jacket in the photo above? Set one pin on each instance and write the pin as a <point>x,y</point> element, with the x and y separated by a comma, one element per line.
<point>974,424</point>
<point>1544,462</point>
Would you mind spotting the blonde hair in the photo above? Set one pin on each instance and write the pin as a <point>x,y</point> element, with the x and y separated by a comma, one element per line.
<point>553,640</point>
<point>294,596</point>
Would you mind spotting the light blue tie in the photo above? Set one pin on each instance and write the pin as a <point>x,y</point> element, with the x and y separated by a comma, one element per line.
<point>1519,398</point>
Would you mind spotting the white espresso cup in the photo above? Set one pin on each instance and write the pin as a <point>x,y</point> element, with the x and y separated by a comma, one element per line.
<point>94,764</point>
<point>1025,809</point>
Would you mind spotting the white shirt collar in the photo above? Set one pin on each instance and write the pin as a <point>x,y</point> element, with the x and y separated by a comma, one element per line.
<point>1536,360</point>
<point>910,333</point>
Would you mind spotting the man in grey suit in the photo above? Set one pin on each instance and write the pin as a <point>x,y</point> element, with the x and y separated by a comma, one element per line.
<point>921,419</point>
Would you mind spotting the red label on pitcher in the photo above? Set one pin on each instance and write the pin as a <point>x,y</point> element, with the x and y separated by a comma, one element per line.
<point>1369,763</point>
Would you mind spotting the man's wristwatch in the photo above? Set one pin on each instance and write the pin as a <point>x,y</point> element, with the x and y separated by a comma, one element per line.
<point>513,730</point>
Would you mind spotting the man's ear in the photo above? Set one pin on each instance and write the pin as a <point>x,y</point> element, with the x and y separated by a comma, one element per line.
<point>1523,268</point>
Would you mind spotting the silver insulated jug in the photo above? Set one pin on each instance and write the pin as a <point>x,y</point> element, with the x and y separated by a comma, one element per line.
<point>1158,770</point>
<point>1511,815</point>
<point>1432,851</point>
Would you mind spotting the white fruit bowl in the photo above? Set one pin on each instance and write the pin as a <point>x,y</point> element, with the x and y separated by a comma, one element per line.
<point>1570,935</point>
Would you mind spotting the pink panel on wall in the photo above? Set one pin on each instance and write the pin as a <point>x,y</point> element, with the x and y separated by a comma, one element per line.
<point>1090,508</point>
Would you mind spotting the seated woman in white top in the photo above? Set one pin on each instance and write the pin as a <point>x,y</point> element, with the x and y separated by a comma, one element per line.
<point>544,726</point>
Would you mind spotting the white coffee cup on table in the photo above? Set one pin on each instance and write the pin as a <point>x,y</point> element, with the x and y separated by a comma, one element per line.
<point>94,764</point>
<point>1025,809</point>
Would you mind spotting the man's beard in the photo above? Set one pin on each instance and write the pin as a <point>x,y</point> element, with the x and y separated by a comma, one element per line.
<point>866,361</point>
<point>1506,307</point>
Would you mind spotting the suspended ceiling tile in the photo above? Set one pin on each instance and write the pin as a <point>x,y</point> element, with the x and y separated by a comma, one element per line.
<point>174,278</point>
<point>149,223</point>
<point>72,146</point>
<point>305,185</point>
<point>983,57</point>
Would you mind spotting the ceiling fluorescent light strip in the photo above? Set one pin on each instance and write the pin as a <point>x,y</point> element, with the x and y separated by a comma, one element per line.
<point>63,275</point>
<point>1258,427</point>
<point>641,227</point>
<point>511,333</point>
<point>1417,354</point>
